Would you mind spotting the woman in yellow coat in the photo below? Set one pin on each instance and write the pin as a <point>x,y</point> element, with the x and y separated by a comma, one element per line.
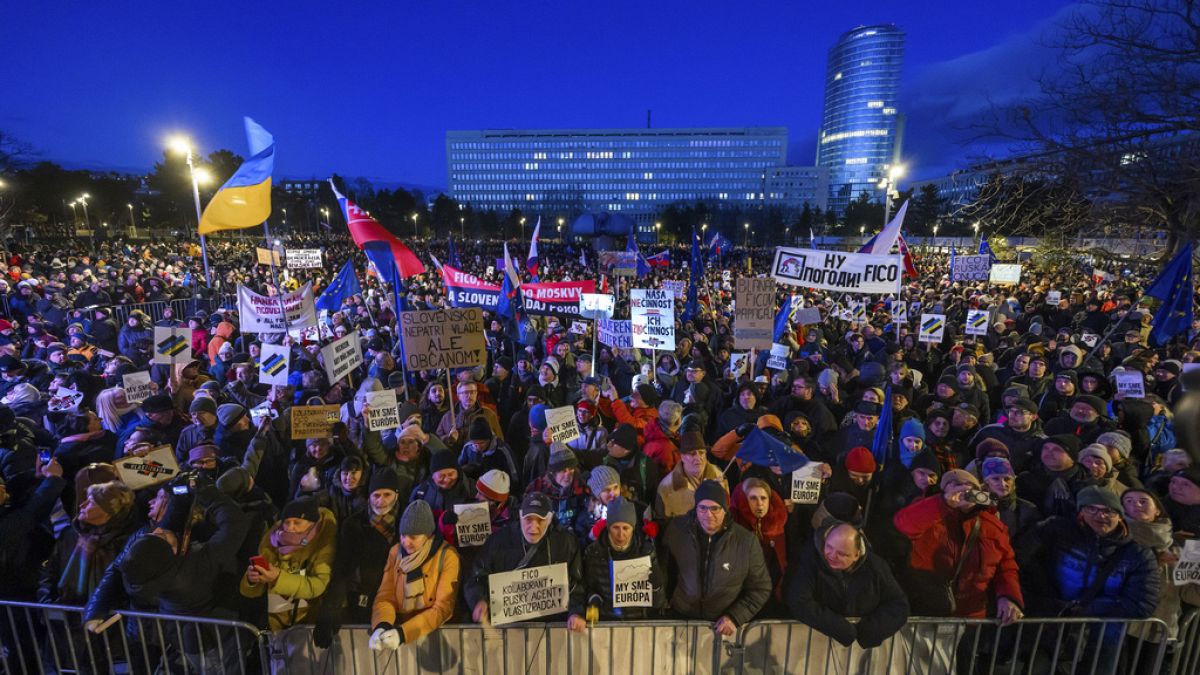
<point>299,553</point>
<point>420,583</point>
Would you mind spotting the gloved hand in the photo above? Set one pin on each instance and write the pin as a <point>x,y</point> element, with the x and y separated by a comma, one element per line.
<point>385,637</point>
<point>324,630</point>
<point>744,429</point>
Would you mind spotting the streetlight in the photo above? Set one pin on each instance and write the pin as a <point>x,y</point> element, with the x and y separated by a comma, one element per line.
<point>862,231</point>
<point>86,222</point>
<point>74,214</point>
<point>183,146</point>
<point>414,226</point>
<point>462,227</point>
<point>888,185</point>
<point>746,235</point>
<point>657,229</point>
<point>560,224</point>
<point>131,222</point>
<point>522,231</point>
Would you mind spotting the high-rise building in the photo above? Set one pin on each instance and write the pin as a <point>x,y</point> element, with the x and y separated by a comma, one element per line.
<point>633,171</point>
<point>860,126</point>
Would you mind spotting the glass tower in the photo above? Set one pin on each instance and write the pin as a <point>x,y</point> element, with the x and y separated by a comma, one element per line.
<point>860,128</point>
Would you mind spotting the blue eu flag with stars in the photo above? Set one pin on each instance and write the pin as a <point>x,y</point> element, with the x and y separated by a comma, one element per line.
<point>1174,287</point>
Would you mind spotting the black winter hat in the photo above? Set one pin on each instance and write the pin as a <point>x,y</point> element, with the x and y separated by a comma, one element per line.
<point>146,559</point>
<point>305,509</point>
<point>625,436</point>
<point>384,479</point>
<point>442,459</point>
<point>713,491</point>
<point>480,430</point>
<point>1067,442</point>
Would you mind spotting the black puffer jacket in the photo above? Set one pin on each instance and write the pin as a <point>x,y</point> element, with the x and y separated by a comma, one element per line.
<point>718,575</point>
<point>597,574</point>
<point>824,598</point>
<point>505,550</point>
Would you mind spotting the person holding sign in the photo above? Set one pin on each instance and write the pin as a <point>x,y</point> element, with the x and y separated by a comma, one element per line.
<point>420,583</point>
<point>1150,526</point>
<point>530,542</point>
<point>612,598</point>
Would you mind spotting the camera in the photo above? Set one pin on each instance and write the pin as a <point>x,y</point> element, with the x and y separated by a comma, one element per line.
<point>180,489</point>
<point>977,497</point>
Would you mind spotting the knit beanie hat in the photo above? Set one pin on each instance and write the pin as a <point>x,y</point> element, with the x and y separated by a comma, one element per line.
<point>230,413</point>
<point>442,459</point>
<point>480,430</point>
<point>959,477</point>
<point>649,395</point>
<point>385,478</point>
<point>912,427</point>
<point>562,458</point>
<point>203,404</point>
<point>621,510</point>
<point>997,466</point>
<point>537,416</point>
<point>202,452</point>
<point>624,436</point>
<point>860,460</point>
<point>1118,440</point>
<point>113,497</point>
<point>305,509</point>
<point>146,559</point>
<point>1099,452</point>
<point>1094,402</point>
<point>235,482</point>
<point>1094,495</point>
<point>417,519</point>
<point>601,477</point>
<point>713,491</point>
<point>494,485</point>
<point>1067,442</point>
<point>1190,474</point>
<point>925,460</point>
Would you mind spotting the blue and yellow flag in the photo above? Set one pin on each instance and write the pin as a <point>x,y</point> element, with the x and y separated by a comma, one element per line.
<point>245,199</point>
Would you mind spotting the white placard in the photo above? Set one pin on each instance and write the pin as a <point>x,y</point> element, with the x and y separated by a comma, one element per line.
<point>900,312</point>
<point>596,305</point>
<point>1053,297</point>
<point>739,364</point>
<point>631,586</point>
<point>579,328</point>
<point>65,400</point>
<point>528,593</point>
<point>779,356</point>
<point>474,524</point>
<point>262,314</point>
<point>807,316</point>
<point>677,287</point>
<point>561,422</point>
<point>806,484</point>
<point>304,258</point>
<point>382,412</point>
<point>652,318</point>
<point>491,269</point>
<point>933,327</point>
<point>157,466</point>
<point>342,356</point>
<point>838,271</point>
<point>137,386</point>
<point>1187,570</point>
<point>172,345</point>
<point>273,364</point>
<point>1130,384</point>
<point>616,334</point>
<point>1005,273</point>
<point>1090,339</point>
<point>977,322</point>
<point>858,311</point>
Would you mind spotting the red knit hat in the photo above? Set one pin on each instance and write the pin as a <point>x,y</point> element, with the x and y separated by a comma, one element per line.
<point>494,485</point>
<point>860,460</point>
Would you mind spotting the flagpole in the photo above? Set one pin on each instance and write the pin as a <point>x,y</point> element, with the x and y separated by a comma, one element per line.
<point>275,280</point>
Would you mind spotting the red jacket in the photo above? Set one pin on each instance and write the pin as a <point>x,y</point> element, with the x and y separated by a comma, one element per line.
<point>660,447</point>
<point>638,418</point>
<point>938,533</point>
<point>768,530</point>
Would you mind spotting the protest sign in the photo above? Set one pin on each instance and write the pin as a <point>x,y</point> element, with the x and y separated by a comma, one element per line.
<point>677,287</point>
<point>1187,570</point>
<point>726,276</point>
<point>977,322</point>
<point>900,312</point>
<point>1005,273</point>
<point>652,318</point>
<point>971,268</point>
<point>468,290</point>
<point>268,256</point>
<point>1130,384</point>
<point>273,364</point>
<point>447,338</point>
<point>559,299</point>
<point>579,328</point>
<point>474,524</point>
<point>262,314</point>
<point>342,356</point>
<point>258,412</point>
<point>172,345</point>
<point>382,411</point>
<point>631,585</point>
<point>304,259</point>
<point>806,484</point>
<point>65,400</point>
<point>778,357</point>
<point>933,327</point>
<point>837,271</point>
<point>618,263</point>
<point>1053,297</point>
<point>314,421</point>
<point>1090,339</point>
<point>858,311</point>
<point>617,334</point>
<point>155,467</point>
<point>754,313</point>
<point>739,364</point>
<point>807,316</point>
<point>527,593</point>
<point>596,306</point>
<point>561,422</point>
<point>137,386</point>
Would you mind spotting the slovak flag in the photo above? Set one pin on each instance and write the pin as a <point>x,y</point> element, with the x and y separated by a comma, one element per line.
<point>1101,277</point>
<point>718,243</point>
<point>910,267</point>
<point>660,259</point>
<point>510,289</point>
<point>531,263</point>
<point>372,237</point>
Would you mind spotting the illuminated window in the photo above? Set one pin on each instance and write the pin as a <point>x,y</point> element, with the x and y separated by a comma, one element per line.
<point>874,104</point>
<point>837,76</point>
<point>889,111</point>
<point>856,160</point>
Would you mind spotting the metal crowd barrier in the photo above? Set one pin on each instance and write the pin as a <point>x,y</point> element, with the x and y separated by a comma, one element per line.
<point>182,307</point>
<point>1186,656</point>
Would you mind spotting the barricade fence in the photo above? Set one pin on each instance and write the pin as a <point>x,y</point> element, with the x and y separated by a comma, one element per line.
<point>43,639</point>
<point>181,308</point>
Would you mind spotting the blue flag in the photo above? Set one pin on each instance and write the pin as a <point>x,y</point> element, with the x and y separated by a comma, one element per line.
<point>763,449</point>
<point>986,248</point>
<point>883,433</point>
<point>783,320</point>
<point>692,306</point>
<point>380,255</point>
<point>452,255</point>
<point>643,268</point>
<point>344,286</point>
<point>1174,287</point>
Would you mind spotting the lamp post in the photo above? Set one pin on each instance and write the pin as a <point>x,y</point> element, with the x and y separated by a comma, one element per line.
<point>522,231</point>
<point>182,145</point>
<point>74,214</point>
<point>975,226</point>
<point>657,231</point>
<point>414,226</point>
<point>87,223</point>
<point>746,235</point>
<point>462,228</point>
<point>888,185</point>
<point>561,222</point>
<point>132,223</point>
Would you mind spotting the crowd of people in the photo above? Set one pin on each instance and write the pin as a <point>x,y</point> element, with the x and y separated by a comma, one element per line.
<point>1015,480</point>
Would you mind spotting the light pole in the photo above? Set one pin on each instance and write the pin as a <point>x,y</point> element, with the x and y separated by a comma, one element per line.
<point>560,224</point>
<point>975,226</point>
<point>182,145</point>
<point>862,231</point>
<point>74,214</point>
<point>522,231</point>
<point>462,228</point>
<point>746,235</point>
<point>131,221</point>
<point>935,229</point>
<point>888,185</point>
<point>657,230</point>
<point>414,226</point>
<point>87,223</point>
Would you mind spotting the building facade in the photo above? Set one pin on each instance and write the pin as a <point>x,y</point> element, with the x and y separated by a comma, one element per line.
<point>632,171</point>
<point>794,186</point>
<point>861,128</point>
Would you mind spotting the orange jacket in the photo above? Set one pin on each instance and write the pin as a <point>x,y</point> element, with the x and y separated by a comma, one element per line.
<point>441,575</point>
<point>637,418</point>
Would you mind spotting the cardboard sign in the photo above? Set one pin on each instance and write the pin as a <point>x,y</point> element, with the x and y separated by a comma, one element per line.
<point>619,263</point>
<point>754,314</point>
<point>262,313</point>
<point>65,400</point>
<point>900,312</point>
<point>579,328</point>
<point>617,334</point>
<point>314,421</point>
<point>779,356</point>
<point>652,318</point>
<point>1187,570</point>
<point>1005,273</point>
<point>304,258</point>
<point>933,327</point>
<point>971,268</point>
<point>631,585</point>
<point>474,524</point>
<point>383,412</point>
<point>596,306</point>
<point>838,271</point>
<point>806,484</point>
<point>561,422</point>
<point>528,593</point>
<point>739,364</point>
<point>342,356</point>
<point>808,316</point>
<point>1053,297</point>
<point>273,364</point>
<point>267,256</point>
<point>977,322</point>
<point>1090,339</point>
<point>137,386</point>
<point>1130,384</point>
<point>858,311</point>
<point>172,345</point>
<point>678,287</point>
<point>155,467</point>
<point>448,338</point>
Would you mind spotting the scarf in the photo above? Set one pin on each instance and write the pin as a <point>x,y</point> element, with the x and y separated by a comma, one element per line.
<point>385,523</point>
<point>96,547</point>
<point>290,542</point>
<point>414,581</point>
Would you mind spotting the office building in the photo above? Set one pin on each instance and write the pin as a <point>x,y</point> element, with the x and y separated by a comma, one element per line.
<point>860,126</point>
<point>794,186</point>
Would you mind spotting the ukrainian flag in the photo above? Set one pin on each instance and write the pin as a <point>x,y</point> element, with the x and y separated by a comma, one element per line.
<point>245,199</point>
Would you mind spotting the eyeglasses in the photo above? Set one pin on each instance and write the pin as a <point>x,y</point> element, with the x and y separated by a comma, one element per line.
<point>709,509</point>
<point>1099,511</point>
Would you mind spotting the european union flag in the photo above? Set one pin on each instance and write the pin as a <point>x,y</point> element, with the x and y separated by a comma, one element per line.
<point>452,255</point>
<point>763,449</point>
<point>883,433</point>
<point>1174,287</point>
<point>643,268</point>
<point>986,249</point>
<point>783,320</point>
<point>344,285</point>
<point>692,306</point>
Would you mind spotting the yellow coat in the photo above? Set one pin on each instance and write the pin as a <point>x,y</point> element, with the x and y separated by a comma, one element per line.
<point>441,573</point>
<point>303,578</point>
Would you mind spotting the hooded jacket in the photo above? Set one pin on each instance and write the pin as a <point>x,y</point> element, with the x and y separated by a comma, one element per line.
<point>660,447</point>
<point>769,531</point>
<point>710,576</point>
<point>224,333</point>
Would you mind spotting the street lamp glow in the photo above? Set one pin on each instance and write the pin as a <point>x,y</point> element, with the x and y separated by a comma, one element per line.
<point>203,176</point>
<point>896,172</point>
<point>180,144</point>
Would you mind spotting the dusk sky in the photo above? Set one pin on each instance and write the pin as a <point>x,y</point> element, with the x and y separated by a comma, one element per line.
<point>369,89</point>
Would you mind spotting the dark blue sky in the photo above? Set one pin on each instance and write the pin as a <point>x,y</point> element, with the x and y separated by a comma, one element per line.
<point>369,89</point>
